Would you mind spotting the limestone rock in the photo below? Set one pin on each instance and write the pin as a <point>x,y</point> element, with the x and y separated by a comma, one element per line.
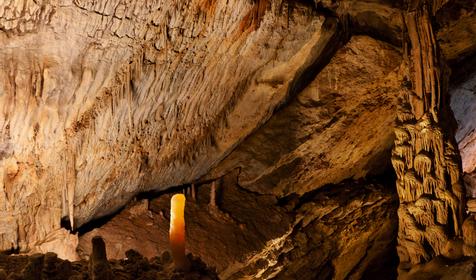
<point>309,237</point>
<point>453,249</point>
<point>425,156</point>
<point>463,104</point>
<point>62,242</point>
<point>469,231</point>
<point>99,267</point>
<point>103,100</point>
<point>338,127</point>
<point>22,268</point>
<point>321,245</point>
<point>208,229</point>
<point>442,269</point>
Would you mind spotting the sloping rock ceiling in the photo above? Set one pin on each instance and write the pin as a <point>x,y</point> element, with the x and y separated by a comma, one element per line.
<point>338,127</point>
<point>103,100</point>
<point>133,97</point>
<point>255,218</point>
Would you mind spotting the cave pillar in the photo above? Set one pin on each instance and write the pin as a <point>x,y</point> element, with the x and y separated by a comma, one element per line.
<point>425,156</point>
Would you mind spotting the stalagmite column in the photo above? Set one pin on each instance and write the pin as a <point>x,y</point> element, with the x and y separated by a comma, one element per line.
<point>425,156</point>
<point>177,232</point>
<point>99,267</point>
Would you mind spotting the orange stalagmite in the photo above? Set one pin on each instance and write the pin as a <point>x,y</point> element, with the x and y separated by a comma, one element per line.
<point>177,232</point>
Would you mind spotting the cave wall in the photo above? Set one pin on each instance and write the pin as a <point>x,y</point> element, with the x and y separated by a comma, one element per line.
<point>281,224</point>
<point>463,104</point>
<point>102,100</point>
<point>338,127</point>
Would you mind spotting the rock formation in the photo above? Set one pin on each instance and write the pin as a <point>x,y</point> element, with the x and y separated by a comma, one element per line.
<point>50,267</point>
<point>425,156</point>
<point>135,96</point>
<point>304,237</point>
<point>298,102</point>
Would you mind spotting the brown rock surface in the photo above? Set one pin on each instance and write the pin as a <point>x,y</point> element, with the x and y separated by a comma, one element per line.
<point>102,100</point>
<point>308,237</point>
<point>50,267</point>
<point>338,127</point>
<point>440,268</point>
<point>219,235</point>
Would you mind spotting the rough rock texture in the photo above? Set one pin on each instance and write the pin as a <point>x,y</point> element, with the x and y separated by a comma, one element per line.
<point>425,156</point>
<point>50,267</point>
<point>133,96</point>
<point>302,147</point>
<point>101,100</point>
<point>291,238</point>
<point>328,133</point>
<point>220,234</point>
<point>324,135</point>
<point>443,269</point>
<point>323,244</point>
<point>463,103</point>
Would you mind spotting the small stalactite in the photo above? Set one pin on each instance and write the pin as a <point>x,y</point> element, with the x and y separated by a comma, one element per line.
<point>422,165</point>
<point>193,192</point>
<point>213,192</point>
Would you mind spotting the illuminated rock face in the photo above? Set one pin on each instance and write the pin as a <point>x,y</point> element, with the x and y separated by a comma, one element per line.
<point>100,101</point>
<point>425,157</point>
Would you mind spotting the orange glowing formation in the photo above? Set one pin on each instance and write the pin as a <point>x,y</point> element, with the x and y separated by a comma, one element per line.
<point>177,231</point>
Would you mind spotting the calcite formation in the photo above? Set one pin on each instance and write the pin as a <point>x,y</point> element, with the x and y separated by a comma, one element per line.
<point>135,266</point>
<point>304,238</point>
<point>103,100</point>
<point>425,156</point>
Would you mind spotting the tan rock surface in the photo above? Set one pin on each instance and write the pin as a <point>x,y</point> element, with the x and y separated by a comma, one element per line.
<point>338,127</point>
<point>287,239</point>
<point>101,100</point>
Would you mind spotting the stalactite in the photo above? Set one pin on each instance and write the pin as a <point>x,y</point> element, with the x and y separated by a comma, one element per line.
<point>398,165</point>
<point>193,191</point>
<point>414,186</point>
<point>213,190</point>
<point>428,172</point>
<point>421,215</point>
<point>406,152</point>
<point>404,116</point>
<point>401,135</point>
<point>441,212</point>
<point>436,236</point>
<point>429,184</point>
<point>422,165</point>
